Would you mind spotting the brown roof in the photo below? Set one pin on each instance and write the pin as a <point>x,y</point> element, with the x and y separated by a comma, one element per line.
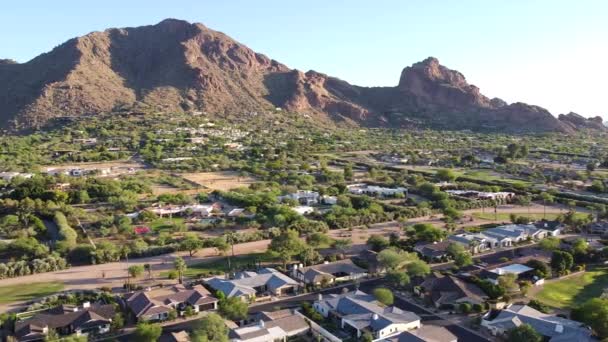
<point>83,318</point>
<point>143,304</point>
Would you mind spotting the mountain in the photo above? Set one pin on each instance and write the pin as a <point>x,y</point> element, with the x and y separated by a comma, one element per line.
<point>178,66</point>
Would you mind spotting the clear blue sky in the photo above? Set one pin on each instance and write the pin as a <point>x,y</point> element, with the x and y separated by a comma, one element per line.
<point>553,53</point>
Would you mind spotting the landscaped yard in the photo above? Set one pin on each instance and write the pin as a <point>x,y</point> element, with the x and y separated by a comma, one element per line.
<point>163,224</point>
<point>18,293</point>
<point>573,291</point>
<point>489,176</point>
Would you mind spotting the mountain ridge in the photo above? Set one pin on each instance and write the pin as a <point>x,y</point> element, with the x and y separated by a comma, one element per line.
<point>178,66</point>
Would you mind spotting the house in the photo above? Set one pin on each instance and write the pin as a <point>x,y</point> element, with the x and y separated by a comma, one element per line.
<point>178,336</point>
<point>475,242</point>
<point>239,213</point>
<point>332,272</point>
<point>373,190</point>
<point>304,197</point>
<point>303,209</point>
<point>433,251</point>
<point>518,269</point>
<point>330,200</point>
<point>250,285</point>
<point>156,305</point>
<point>553,228</point>
<point>257,333</point>
<point>271,326</point>
<point>357,313</point>
<point>447,290</point>
<point>66,320</point>
<point>8,176</point>
<point>517,233</point>
<point>481,195</point>
<point>426,333</point>
<point>600,228</point>
<point>553,328</point>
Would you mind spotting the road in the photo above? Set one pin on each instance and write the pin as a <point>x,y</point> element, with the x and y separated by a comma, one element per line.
<point>427,316</point>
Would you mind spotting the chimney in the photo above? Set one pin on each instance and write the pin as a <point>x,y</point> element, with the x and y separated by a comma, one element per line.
<point>261,324</point>
<point>375,316</point>
<point>320,297</point>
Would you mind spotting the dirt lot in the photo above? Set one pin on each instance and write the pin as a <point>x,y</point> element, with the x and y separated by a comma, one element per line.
<point>223,180</point>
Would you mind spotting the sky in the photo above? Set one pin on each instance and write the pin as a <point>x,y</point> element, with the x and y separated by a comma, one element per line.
<point>551,53</point>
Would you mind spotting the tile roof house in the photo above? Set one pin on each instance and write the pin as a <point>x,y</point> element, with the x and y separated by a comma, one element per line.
<point>426,333</point>
<point>156,306</point>
<point>553,328</point>
<point>66,320</point>
<point>432,250</point>
<point>178,336</point>
<point>248,285</point>
<point>342,270</point>
<point>357,312</point>
<point>476,242</point>
<point>517,232</point>
<point>450,290</point>
<point>271,326</point>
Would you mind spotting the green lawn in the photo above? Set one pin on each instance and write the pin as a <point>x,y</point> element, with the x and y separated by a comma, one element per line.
<point>16,293</point>
<point>220,266</point>
<point>163,224</point>
<point>576,290</point>
<point>490,216</point>
<point>487,176</point>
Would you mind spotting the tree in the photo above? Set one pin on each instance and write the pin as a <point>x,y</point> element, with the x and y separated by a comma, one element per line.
<point>233,308</point>
<point>461,256</point>
<point>147,332</point>
<point>418,268</point>
<point>465,307</point>
<point>463,259</point>
<point>136,270</point>
<point>377,242</point>
<point>309,256</point>
<point>594,313</point>
<point>446,175</point>
<point>348,172</point>
<point>561,261</point>
<point>190,243</point>
<point>398,279</point>
<point>210,328</point>
<point>550,243</point>
<point>427,232</point>
<point>180,267</point>
<point>541,269</point>
<point>118,321</point>
<point>393,259</point>
<point>580,246</point>
<point>523,333</point>
<point>342,245</point>
<point>384,295</point>
<point>287,245</point>
<point>318,239</point>
<point>508,282</point>
<point>547,199</point>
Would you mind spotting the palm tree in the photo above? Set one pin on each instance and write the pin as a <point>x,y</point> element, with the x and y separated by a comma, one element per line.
<point>547,198</point>
<point>180,267</point>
